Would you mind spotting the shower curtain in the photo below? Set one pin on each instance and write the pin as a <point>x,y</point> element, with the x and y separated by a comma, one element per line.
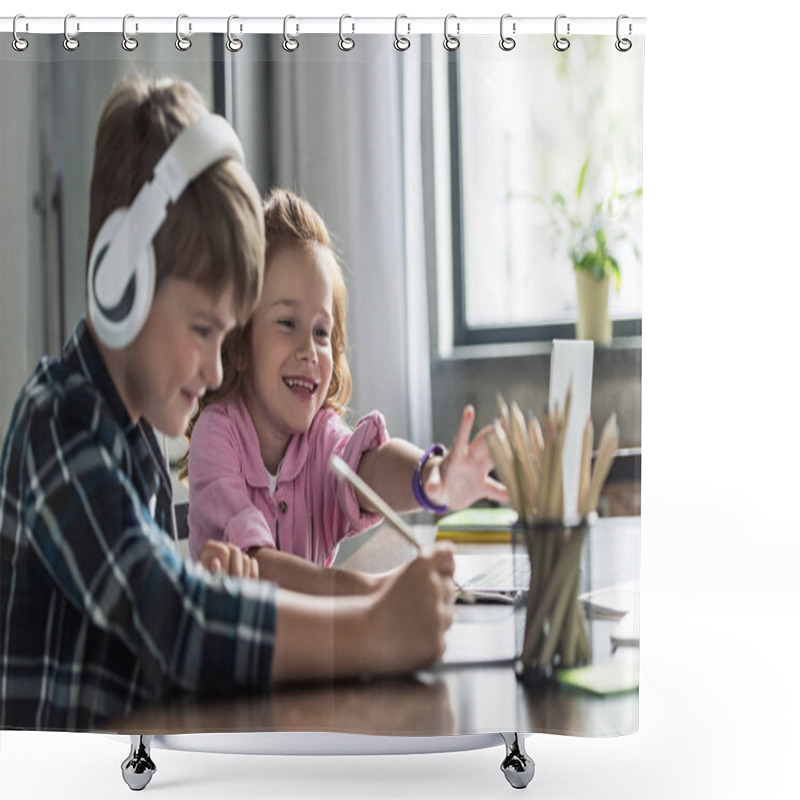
<point>473,183</point>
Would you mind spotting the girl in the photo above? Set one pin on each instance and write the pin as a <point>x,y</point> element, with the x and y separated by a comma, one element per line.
<point>260,444</point>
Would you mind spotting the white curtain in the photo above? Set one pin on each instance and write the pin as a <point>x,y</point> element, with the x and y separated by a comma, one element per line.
<point>348,139</point>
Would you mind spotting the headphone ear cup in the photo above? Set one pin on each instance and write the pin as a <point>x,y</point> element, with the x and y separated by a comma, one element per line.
<point>119,292</point>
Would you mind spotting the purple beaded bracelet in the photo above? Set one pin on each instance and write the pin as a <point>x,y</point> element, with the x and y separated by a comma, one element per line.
<point>416,481</point>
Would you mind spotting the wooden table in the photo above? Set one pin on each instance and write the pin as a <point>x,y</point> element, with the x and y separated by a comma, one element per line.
<point>448,700</point>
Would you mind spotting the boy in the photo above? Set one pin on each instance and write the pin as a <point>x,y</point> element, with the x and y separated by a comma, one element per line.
<point>97,611</point>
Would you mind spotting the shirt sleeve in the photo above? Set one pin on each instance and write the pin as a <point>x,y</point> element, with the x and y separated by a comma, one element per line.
<point>337,505</point>
<point>99,544</point>
<point>219,501</point>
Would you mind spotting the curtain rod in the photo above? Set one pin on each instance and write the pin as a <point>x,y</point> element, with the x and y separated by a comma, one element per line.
<point>74,25</point>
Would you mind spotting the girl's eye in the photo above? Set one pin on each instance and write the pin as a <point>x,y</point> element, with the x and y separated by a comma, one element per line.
<point>286,323</point>
<point>322,333</point>
<point>203,331</point>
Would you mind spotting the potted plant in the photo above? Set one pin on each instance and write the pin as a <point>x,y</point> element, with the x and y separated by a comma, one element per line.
<point>593,230</point>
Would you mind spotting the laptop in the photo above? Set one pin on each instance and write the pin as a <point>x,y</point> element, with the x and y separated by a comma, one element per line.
<point>486,632</point>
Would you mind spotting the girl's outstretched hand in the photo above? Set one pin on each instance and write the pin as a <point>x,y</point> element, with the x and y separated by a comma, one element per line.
<point>461,477</point>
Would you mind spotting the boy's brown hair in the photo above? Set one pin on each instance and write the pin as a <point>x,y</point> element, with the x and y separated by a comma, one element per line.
<point>214,234</point>
<point>289,221</point>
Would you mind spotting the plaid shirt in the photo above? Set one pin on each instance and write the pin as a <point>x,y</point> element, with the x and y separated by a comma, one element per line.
<point>98,612</point>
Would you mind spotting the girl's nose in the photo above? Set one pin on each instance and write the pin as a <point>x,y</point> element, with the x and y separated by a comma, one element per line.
<point>306,349</point>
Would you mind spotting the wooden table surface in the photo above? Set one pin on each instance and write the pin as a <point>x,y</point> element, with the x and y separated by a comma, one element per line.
<point>447,700</point>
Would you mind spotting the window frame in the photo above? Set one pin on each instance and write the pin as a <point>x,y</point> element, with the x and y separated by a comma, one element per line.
<point>463,333</point>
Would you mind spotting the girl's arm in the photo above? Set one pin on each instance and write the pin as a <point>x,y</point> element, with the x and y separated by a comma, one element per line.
<point>456,480</point>
<point>299,575</point>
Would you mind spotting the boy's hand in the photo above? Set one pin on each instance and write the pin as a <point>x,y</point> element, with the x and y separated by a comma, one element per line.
<point>228,558</point>
<point>461,477</point>
<point>412,612</point>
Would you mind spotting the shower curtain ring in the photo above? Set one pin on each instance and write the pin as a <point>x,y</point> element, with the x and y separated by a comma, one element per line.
<point>233,44</point>
<point>70,42</point>
<point>401,42</point>
<point>451,42</point>
<point>561,43</point>
<point>345,42</point>
<point>623,45</point>
<point>129,43</point>
<point>18,43</point>
<point>182,42</point>
<point>507,42</point>
<point>290,44</point>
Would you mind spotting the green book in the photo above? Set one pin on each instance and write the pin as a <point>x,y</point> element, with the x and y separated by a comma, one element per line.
<point>478,524</point>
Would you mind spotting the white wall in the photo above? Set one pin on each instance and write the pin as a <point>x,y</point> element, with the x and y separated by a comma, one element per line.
<point>21,328</point>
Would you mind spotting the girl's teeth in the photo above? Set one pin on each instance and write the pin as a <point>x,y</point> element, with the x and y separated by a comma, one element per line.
<point>300,384</point>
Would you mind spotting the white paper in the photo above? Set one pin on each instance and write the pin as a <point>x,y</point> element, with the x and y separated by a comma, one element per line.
<point>571,363</point>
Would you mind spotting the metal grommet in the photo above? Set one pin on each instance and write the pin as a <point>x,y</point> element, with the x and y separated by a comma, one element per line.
<point>561,43</point>
<point>345,42</point>
<point>401,42</point>
<point>70,42</point>
<point>129,43</point>
<point>233,44</point>
<point>290,44</point>
<point>506,42</point>
<point>182,42</point>
<point>623,45</point>
<point>451,42</point>
<point>18,43</point>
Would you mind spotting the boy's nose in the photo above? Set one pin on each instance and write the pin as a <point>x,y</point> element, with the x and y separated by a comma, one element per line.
<point>212,368</point>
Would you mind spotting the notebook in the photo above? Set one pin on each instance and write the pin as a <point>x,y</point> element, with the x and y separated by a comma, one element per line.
<point>477,525</point>
<point>611,602</point>
<point>482,634</point>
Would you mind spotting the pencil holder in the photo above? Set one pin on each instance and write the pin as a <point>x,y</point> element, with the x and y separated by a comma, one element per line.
<point>555,632</point>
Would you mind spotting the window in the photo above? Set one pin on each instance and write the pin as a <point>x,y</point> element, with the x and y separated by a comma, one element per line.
<point>523,129</point>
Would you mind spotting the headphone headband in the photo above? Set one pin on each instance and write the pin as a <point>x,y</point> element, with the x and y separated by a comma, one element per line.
<point>121,266</point>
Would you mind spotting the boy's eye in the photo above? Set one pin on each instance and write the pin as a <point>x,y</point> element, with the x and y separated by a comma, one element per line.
<point>286,323</point>
<point>203,331</point>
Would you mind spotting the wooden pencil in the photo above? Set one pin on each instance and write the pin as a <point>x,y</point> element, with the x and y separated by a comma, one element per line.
<point>585,468</point>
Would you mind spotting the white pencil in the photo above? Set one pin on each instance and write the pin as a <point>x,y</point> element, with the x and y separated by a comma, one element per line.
<point>342,469</point>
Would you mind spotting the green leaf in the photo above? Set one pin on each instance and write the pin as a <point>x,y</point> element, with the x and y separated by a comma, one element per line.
<point>582,178</point>
<point>613,268</point>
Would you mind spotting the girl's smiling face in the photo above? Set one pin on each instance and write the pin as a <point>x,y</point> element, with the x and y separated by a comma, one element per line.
<point>291,360</point>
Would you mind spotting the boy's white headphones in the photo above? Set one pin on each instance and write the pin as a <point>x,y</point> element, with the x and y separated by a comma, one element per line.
<point>122,267</point>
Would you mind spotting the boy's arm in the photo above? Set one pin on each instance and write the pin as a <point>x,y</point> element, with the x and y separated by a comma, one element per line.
<point>399,629</point>
<point>113,563</point>
<point>221,634</point>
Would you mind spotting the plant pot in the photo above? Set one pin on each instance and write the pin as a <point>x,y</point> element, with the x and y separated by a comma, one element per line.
<point>593,320</point>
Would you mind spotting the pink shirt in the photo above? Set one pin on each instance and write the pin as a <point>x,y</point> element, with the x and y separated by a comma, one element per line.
<point>310,511</point>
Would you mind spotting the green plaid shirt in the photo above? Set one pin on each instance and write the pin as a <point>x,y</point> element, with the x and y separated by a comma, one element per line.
<point>98,612</point>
